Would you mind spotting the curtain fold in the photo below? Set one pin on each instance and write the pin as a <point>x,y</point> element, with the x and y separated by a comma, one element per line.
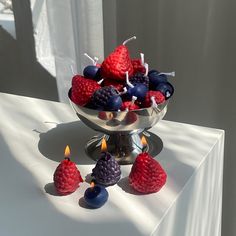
<point>63,31</point>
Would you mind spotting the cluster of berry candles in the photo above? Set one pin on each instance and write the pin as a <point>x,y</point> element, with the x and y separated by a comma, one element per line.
<point>120,83</point>
<point>146,176</point>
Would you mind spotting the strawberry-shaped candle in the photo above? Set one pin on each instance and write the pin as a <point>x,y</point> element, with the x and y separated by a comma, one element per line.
<point>66,176</point>
<point>147,175</point>
<point>118,62</point>
<point>107,170</point>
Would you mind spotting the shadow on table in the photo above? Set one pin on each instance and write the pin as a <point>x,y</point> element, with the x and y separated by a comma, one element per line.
<point>50,189</point>
<point>53,142</point>
<point>124,185</point>
<point>83,204</point>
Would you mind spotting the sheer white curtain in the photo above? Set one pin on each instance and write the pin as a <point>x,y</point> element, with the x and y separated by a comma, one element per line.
<point>63,31</point>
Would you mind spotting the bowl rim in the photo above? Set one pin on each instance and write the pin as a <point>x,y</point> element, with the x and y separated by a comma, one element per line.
<point>163,105</point>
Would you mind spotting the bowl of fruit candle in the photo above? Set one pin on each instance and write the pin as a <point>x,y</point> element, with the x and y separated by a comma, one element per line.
<point>121,99</point>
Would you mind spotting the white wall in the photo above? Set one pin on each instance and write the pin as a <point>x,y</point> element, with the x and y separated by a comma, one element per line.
<point>197,39</point>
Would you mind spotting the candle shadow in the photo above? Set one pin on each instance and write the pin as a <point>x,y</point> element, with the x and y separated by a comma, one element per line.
<point>75,134</point>
<point>113,123</point>
<point>50,189</point>
<point>89,178</point>
<point>83,204</point>
<point>124,185</point>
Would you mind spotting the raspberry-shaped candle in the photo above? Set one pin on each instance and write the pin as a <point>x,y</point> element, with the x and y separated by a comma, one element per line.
<point>83,89</point>
<point>107,170</point>
<point>147,175</point>
<point>129,105</point>
<point>153,96</point>
<point>138,64</point>
<point>66,176</point>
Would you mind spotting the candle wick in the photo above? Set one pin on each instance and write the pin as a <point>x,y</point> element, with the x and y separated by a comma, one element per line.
<point>145,148</point>
<point>67,158</point>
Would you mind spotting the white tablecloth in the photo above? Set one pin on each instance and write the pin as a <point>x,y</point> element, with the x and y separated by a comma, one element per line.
<point>33,135</point>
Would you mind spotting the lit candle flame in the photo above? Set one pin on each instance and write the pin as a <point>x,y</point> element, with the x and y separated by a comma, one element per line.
<point>92,184</point>
<point>67,151</point>
<point>144,141</point>
<point>104,145</point>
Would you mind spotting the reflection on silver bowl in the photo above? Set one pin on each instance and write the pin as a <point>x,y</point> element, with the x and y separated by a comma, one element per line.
<point>122,130</point>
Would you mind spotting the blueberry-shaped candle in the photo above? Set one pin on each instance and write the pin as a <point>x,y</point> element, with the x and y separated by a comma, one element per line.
<point>165,88</point>
<point>95,196</point>
<point>92,71</point>
<point>138,90</point>
<point>156,77</point>
<point>107,170</point>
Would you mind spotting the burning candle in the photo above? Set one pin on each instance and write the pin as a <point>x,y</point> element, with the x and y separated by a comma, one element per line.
<point>95,196</point>
<point>66,176</point>
<point>144,144</point>
<point>107,170</point>
<point>147,175</point>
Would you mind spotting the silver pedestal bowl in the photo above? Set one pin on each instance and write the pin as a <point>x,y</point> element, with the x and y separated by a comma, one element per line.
<point>122,130</point>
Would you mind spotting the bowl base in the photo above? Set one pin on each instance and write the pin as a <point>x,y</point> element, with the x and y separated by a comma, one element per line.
<point>125,147</point>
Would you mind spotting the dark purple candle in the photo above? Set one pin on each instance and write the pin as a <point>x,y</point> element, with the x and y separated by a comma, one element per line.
<point>107,170</point>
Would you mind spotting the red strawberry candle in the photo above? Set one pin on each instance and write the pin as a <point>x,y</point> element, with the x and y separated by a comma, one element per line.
<point>147,175</point>
<point>118,62</point>
<point>107,170</point>
<point>66,176</point>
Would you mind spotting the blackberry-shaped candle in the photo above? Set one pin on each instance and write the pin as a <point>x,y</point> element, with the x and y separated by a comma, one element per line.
<point>107,170</point>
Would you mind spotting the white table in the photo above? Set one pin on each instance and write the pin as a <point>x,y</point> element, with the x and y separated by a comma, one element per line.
<point>33,135</point>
